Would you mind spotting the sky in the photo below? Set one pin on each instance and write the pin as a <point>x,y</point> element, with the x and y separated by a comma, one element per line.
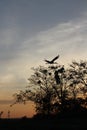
<point>34,30</point>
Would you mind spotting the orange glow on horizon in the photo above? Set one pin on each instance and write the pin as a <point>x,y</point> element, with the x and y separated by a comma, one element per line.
<point>18,110</point>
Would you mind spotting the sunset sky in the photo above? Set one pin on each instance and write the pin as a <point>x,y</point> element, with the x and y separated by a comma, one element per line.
<point>32,30</point>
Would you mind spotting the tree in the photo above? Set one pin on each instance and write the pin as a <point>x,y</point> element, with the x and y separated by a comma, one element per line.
<point>77,79</point>
<point>55,89</point>
<point>47,89</point>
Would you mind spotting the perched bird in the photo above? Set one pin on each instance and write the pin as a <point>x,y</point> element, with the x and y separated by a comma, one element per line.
<point>52,61</point>
<point>61,70</point>
<point>57,78</point>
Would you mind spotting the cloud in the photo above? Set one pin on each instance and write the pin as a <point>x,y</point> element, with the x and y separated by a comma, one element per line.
<point>2,102</point>
<point>10,84</point>
<point>19,53</point>
<point>68,38</point>
<point>63,38</point>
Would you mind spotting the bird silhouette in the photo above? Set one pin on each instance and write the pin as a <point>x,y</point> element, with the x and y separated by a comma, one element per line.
<point>52,61</point>
<point>61,70</point>
<point>57,78</point>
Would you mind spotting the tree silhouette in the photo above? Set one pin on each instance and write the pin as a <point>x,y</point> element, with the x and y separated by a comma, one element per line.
<point>77,79</point>
<point>55,89</point>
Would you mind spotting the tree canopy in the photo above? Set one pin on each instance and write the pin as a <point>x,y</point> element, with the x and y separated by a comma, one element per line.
<point>54,88</point>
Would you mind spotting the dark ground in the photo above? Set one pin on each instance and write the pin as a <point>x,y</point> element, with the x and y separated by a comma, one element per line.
<point>69,122</point>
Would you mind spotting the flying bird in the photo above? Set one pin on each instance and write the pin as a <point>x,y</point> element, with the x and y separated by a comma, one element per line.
<point>52,61</point>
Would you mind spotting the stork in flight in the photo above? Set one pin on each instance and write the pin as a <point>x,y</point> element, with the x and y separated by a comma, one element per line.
<point>52,61</point>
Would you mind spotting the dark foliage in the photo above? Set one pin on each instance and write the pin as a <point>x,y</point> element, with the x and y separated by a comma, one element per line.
<point>55,89</point>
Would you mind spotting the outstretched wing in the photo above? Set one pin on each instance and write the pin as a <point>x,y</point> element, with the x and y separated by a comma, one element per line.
<point>47,61</point>
<point>55,58</point>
